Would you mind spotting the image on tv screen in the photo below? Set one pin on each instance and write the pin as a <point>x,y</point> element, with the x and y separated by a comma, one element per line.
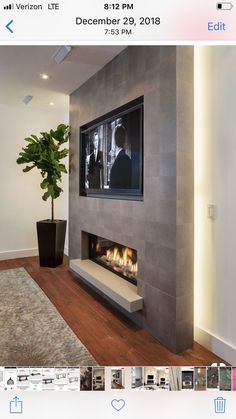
<point>111,153</point>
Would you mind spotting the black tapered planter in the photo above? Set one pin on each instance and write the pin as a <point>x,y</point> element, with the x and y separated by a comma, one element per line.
<point>51,242</point>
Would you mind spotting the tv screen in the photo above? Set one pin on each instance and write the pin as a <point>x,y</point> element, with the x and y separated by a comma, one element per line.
<point>112,153</point>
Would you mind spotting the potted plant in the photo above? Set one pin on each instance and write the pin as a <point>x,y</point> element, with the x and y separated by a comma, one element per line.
<point>45,153</point>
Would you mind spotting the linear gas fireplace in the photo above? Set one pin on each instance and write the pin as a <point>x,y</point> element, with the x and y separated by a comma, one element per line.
<point>120,259</point>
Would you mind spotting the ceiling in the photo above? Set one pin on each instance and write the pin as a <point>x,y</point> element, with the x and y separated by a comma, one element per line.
<point>21,66</point>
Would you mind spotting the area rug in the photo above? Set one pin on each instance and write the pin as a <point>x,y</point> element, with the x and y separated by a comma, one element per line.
<point>32,332</point>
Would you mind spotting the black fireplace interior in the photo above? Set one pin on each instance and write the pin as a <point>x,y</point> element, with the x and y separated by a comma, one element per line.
<point>119,259</point>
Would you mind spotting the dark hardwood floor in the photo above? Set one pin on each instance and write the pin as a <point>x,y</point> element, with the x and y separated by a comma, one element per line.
<point>109,336</point>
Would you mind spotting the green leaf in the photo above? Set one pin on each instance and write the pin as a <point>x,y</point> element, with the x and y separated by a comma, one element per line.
<point>28,168</point>
<point>21,160</point>
<point>61,127</point>
<point>63,153</point>
<point>44,184</point>
<point>46,196</point>
<point>35,137</point>
<point>56,192</point>
<point>62,168</point>
<point>30,140</point>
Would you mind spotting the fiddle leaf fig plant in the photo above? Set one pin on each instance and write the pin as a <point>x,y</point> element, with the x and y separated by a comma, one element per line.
<point>45,153</point>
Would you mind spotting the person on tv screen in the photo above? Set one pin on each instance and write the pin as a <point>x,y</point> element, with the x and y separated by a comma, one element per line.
<point>95,165</point>
<point>121,171</point>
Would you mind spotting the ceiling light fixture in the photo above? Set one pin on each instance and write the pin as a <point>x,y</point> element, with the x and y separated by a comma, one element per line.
<point>27,99</point>
<point>61,53</point>
<point>51,103</point>
<point>44,76</point>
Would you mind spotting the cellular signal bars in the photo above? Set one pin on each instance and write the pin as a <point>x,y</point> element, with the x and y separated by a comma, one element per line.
<point>9,7</point>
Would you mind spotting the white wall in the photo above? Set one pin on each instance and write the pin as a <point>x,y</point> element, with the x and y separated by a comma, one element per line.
<point>21,204</point>
<point>215,176</point>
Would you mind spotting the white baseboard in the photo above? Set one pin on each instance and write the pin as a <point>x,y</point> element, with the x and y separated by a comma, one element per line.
<point>15,254</point>
<point>23,253</point>
<point>215,344</point>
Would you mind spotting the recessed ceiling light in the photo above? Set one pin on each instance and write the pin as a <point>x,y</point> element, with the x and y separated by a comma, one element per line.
<point>51,103</point>
<point>44,76</point>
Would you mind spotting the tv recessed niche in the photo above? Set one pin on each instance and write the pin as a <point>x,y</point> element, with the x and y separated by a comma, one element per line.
<point>111,154</point>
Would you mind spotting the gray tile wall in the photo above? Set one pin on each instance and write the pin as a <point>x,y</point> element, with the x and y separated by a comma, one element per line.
<point>160,227</point>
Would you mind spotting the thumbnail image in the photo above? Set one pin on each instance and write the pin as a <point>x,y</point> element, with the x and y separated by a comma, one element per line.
<point>10,378</point>
<point>23,382</point>
<point>175,379</point>
<point>73,375</point>
<point>200,379</point>
<point>98,378</point>
<point>233,379</point>
<point>156,378</point>
<point>150,378</point>
<point>187,378</point>
<point>86,379</point>
<point>48,379</point>
<point>225,378</point>
<point>1,378</point>
<point>162,378</point>
<point>35,379</point>
<point>137,377</point>
<point>118,378</point>
<point>212,378</point>
<point>61,379</point>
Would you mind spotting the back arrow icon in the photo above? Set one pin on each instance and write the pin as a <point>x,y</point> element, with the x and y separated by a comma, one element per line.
<point>8,26</point>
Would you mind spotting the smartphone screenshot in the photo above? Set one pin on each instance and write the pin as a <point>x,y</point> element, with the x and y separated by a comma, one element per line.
<point>117,209</point>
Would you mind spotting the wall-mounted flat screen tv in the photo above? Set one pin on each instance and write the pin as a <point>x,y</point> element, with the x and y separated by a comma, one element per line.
<point>111,154</point>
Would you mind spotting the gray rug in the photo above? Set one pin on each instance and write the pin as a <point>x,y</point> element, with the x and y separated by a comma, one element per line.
<point>32,332</point>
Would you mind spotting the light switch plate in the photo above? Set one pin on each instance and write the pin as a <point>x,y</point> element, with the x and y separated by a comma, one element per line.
<point>211,211</point>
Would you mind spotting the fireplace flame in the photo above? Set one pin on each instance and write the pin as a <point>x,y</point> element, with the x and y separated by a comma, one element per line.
<point>122,260</point>
<point>98,248</point>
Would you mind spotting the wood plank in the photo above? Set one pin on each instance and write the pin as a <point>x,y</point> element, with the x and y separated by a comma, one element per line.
<point>110,337</point>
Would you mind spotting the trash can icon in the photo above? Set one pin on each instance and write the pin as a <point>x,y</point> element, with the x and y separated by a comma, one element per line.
<point>220,404</point>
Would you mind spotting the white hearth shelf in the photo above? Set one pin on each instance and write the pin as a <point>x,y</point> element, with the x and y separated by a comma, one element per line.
<point>122,292</point>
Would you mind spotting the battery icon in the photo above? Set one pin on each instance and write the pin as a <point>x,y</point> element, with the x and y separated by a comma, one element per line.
<point>224,6</point>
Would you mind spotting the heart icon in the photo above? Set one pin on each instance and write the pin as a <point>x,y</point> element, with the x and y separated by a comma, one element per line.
<point>118,404</point>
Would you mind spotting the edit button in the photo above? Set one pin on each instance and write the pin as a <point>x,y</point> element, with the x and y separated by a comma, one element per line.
<point>216,26</point>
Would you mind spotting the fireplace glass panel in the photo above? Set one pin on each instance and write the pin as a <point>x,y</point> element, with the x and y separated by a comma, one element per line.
<point>120,259</point>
